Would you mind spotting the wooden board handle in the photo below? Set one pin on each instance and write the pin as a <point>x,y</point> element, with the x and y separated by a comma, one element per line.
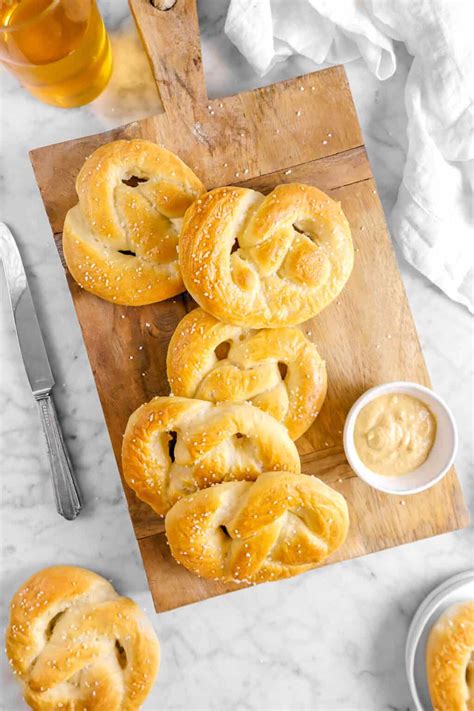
<point>171,40</point>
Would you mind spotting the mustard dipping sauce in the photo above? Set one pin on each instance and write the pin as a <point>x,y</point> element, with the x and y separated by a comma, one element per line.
<point>394,434</point>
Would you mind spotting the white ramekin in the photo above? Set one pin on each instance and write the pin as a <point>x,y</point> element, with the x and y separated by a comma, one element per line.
<point>439,460</point>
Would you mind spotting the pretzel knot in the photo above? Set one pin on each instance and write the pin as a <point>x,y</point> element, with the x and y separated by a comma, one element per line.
<point>278,526</point>
<point>258,261</point>
<point>76,645</point>
<point>450,659</point>
<point>174,446</point>
<point>120,241</point>
<point>277,370</point>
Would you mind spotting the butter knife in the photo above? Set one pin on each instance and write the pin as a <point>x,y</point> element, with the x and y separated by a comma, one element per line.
<point>38,370</point>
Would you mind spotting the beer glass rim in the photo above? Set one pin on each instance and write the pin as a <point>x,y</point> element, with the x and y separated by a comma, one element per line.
<point>31,20</point>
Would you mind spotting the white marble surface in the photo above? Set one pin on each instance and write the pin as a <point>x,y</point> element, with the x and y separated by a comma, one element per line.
<point>331,639</point>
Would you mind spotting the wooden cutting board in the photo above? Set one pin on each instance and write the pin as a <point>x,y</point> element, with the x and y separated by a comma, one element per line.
<point>306,130</point>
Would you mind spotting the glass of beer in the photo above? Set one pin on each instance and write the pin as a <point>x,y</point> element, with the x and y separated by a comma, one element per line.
<point>58,49</point>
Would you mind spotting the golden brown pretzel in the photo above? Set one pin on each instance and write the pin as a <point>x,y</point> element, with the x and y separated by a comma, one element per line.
<point>75,644</point>
<point>277,370</point>
<point>450,659</point>
<point>278,526</point>
<point>120,241</point>
<point>174,446</point>
<point>267,261</point>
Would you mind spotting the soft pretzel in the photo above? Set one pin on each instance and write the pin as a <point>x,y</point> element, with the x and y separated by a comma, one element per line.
<point>78,646</point>
<point>278,369</point>
<point>450,659</point>
<point>278,526</point>
<point>120,241</point>
<point>174,446</point>
<point>267,261</point>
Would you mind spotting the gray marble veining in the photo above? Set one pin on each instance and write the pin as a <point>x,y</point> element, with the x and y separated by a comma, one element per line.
<point>329,640</point>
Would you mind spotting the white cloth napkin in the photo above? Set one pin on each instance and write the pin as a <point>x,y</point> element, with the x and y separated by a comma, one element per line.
<point>432,218</point>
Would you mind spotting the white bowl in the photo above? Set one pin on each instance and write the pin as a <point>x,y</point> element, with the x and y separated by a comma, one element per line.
<point>440,458</point>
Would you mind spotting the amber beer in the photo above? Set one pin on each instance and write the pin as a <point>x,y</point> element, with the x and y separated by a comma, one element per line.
<point>58,49</point>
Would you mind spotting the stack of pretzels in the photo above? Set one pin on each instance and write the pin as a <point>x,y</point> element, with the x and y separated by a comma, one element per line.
<point>217,457</point>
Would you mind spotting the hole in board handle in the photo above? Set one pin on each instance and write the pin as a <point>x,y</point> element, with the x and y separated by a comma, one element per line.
<point>163,5</point>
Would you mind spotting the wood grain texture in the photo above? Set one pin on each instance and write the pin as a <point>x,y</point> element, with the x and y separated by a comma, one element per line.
<point>229,142</point>
<point>306,130</point>
<point>172,43</point>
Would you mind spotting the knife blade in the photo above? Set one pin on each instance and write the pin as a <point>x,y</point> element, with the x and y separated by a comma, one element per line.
<point>33,351</point>
<point>38,371</point>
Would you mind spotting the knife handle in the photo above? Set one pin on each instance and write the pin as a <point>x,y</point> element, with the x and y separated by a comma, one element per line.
<point>66,492</point>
